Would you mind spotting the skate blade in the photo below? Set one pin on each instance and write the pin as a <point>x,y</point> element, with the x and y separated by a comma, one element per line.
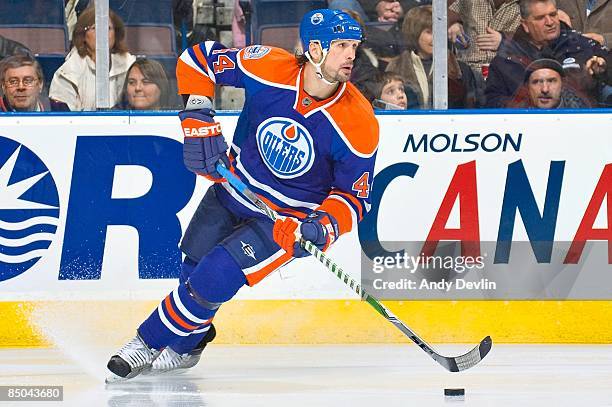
<point>113,378</point>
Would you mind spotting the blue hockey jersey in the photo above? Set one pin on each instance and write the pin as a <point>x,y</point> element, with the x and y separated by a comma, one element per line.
<point>297,153</point>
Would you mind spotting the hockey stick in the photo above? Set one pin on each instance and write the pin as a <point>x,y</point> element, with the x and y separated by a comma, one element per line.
<point>452,364</point>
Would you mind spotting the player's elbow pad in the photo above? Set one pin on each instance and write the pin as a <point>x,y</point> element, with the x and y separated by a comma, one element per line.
<point>197,102</point>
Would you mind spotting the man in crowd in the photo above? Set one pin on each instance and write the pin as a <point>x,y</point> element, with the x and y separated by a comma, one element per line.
<point>485,23</point>
<point>544,88</point>
<point>22,83</point>
<point>541,35</point>
<point>593,18</point>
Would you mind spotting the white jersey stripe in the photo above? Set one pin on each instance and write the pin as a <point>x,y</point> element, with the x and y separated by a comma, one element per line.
<point>289,202</point>
<point>199,331</point>
<point>258,79</point>
<point>346,141</point>
<point>186,58</point>
<point>208,45</point>
<point>184,310</point>
<point>297,87</point>
<point>263,263</point>
<point>167,323</point>
<point>331,102</point>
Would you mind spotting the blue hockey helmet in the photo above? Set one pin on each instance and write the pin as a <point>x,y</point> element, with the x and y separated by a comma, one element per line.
<point>327,25</point>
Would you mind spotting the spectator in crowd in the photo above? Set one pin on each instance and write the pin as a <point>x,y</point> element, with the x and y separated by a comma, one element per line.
<point>238,26</point>
<point>384,11</point>
<point>73,85</point>
<point>415,64</point>
<point>389,11</point>
<point>544,88</point>
<point>146,87</point>
<point>366,64</point>
<point>9,47</point>
<point>187,34</point>
<point>22,84</point>
<point>391,94</point>
<point>477,27</point>
<point>593,18</point>
<point>72,11</point>
<point>606,96</point>
<point>542,35</point>
<point>350,5</point>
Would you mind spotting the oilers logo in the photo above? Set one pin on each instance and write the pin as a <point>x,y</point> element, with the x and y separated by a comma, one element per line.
<point>29,209</point>
<point>285,146</point>
<point>316,19</point>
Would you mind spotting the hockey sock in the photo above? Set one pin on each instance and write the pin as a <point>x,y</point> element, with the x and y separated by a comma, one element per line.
<point>176,317</point>
<point>187,344</point>
<point>193,304</point>
<point>187,267</point>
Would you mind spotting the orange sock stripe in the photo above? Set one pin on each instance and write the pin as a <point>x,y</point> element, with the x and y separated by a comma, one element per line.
<point>257,276</point>
<point>175,317</point>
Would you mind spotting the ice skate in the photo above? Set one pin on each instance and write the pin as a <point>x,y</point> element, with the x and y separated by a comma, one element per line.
<point>169,360</point>
<point>131,360</point>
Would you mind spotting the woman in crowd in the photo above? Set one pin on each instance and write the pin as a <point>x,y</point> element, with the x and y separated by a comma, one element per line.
<point>415,64</point>
<point>74,85</point>
<point>146,87</point>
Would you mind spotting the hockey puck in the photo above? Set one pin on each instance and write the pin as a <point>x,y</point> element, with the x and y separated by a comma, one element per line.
<point>454,392</point>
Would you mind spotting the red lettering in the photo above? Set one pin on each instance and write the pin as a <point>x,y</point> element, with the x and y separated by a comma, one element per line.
<point>585,230</point>
<point>463,185</point>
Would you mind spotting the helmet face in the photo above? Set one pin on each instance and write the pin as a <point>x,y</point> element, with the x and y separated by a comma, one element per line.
<point>326,25</point>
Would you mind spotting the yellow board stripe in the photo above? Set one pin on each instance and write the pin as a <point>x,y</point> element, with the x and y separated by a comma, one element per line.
<point>319,321</point>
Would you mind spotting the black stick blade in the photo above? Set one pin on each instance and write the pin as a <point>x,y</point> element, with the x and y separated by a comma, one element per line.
<point>468,360</point>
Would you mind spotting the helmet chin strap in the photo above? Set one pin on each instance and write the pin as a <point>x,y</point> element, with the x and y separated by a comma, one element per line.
<point>317,67</point>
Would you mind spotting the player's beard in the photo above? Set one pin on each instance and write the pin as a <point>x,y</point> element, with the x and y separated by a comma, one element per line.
<point>336,76</point>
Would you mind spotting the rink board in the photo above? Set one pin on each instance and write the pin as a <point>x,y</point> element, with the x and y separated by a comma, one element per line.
<point>31,324</point>
<point>108,264</point>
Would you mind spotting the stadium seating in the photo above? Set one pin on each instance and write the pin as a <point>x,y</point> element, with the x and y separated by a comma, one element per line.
<point>279,12</point>
<point>284,36</point>
<point>144,39</point>
<point>40,26</point>
<point>149,28</point>
<point>40,40</point>
<point>32,12</point>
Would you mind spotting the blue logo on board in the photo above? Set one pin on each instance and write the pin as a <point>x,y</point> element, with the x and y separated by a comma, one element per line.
<point>285,146</point>
<point>29,209</point>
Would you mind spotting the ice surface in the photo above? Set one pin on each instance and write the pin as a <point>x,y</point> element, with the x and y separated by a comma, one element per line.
<point>351,375</point>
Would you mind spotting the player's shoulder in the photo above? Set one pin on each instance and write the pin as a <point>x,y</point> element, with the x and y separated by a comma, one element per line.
<point>269,64</point>
<point>354,116</point>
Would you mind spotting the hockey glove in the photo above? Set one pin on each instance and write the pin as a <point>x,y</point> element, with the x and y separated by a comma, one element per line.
<point>320,228</point>
<point>203,145</point>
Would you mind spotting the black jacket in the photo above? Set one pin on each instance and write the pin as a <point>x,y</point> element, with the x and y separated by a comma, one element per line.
<point>507,69</point>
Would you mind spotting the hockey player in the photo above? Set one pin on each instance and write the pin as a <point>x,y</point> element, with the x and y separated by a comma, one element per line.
<point>305,142</point>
